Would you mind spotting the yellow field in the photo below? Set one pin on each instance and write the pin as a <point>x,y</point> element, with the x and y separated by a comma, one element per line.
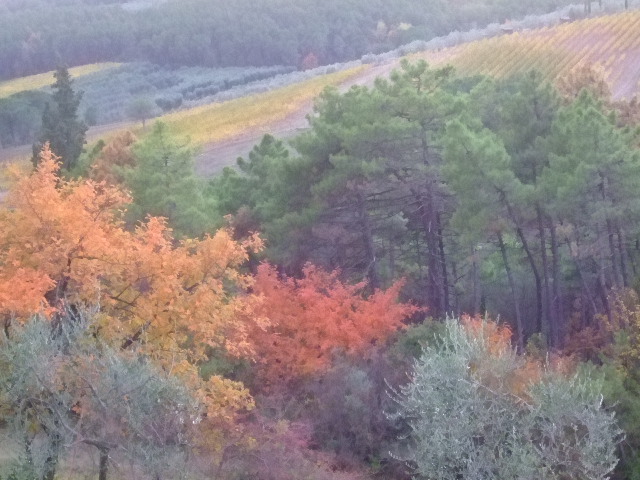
<point>612,41</point>
<point>33,82</point>
<point>219,121</point>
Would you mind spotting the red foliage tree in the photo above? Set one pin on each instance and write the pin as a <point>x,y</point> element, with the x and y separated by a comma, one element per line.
<point>317,314</point>
<point>310,61</point>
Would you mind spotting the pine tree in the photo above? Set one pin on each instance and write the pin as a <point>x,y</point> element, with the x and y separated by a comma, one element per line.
<point>163,183</point>
<point>60,124</point>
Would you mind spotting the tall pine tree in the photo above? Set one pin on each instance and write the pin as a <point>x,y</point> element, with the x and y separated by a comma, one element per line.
<point>60,124</point>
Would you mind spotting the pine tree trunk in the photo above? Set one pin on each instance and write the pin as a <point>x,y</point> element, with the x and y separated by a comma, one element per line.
<point>612,255</point>
<point>476,284</point>
<point>602,284</point>
<point>532,262</point>
<point>585,285</point>
<point>434,268</point>
<point>456,305</point>
<point>547,319</point>
<point>51,463</point>
<point>104,464</point>
<point>622,251</point>
<point>557,327</point>
<point>512,286</point>
<point>392,260</point>
<point>446,305</point>
<point>367,237</point>
<point>430,224</point>
<point>612,249</point>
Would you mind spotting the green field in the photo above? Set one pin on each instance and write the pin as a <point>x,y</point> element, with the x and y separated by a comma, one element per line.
<point>219,121</point>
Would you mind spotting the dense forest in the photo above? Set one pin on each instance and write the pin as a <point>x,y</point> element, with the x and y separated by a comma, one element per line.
<point>437,279</point>
<point>279,305</point>
<point>214,33</point>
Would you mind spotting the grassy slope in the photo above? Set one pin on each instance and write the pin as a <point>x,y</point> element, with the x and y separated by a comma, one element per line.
<point>611,41</point>
<point>34,82</point>
<point>220,121</point>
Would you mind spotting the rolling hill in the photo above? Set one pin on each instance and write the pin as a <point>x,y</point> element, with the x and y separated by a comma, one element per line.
<point>235,125</point>
<point>228,129</point>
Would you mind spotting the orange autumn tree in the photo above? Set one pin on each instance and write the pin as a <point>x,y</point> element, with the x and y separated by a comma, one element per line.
<point>495,339</point>
<point>116,155</point>
<point>63,245</point>
<point>315,315</point>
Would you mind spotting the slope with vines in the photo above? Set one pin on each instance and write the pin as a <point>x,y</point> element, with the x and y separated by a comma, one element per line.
<point>612,42</point>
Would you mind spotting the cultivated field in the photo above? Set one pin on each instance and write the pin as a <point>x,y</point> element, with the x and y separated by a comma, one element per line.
<point>613,42</point>
<point>225,130</point>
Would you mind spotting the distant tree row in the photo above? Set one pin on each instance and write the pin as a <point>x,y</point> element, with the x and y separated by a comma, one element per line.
<point>213,33</point>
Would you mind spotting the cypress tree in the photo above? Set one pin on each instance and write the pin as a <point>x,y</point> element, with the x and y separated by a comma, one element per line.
<point>60,124</point>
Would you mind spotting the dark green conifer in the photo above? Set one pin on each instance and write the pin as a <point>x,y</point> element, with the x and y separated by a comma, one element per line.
<point>60,124</point>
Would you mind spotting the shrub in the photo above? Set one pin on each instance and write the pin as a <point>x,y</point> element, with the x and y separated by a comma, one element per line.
<point>475,409</point>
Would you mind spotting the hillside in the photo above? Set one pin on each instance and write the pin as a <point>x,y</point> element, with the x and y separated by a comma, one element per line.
<point>378,269</point>
<point>612,42</point>
<point>234,125</point>
<point>226,130</point>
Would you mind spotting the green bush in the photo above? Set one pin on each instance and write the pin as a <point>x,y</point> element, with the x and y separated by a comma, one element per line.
<point>467,418</point>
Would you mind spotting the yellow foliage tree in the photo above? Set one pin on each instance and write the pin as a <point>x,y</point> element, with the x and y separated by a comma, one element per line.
<point>63,245</point>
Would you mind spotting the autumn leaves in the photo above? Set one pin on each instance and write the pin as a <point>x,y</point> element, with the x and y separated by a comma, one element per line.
<point>63,244</point>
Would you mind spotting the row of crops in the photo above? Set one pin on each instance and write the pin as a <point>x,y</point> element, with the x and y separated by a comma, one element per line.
<point>608,41</point>
<point>114,92</point>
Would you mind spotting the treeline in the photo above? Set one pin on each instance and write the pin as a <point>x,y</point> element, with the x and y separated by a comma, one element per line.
<point>485,195</point>
<point>214,33</point>
<point>21,117</point>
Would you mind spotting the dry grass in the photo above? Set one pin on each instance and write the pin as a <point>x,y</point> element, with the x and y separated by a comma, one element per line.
<point>33,82</point>
<point>220,121</point>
